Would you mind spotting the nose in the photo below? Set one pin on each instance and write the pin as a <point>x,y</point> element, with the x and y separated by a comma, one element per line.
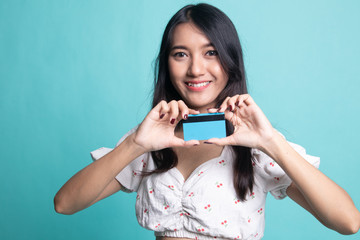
<point>196,67</point>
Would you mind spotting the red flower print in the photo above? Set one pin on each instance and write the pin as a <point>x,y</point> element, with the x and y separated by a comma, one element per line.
<point>236,200</point>
<point>252,195</point>
<point>157,225</point>
<point>276,178</point>
<point>134,173</point>
<point>272,163</point>
<point>171,187</point>
<point>200,229</point>
<point>208,207</point>
<point>222,162</point>
<point>260,211</point>
<point>218,185</point>
<point>184,213</point>
<point>191,194</point>
<point>146,210</point>
<point>151,190</point>
<point>249,219</point>
<point>166,206</point>
<point>224,223</point>
<point>143,163</point>
<point>200,173</point>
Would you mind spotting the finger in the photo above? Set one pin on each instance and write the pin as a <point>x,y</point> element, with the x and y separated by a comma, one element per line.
<point>178,142</point>
<point>191,143</point>
<point>229,115</point>
<point>223,106</point>
<point>249,100</point>
<point>160,109</point>
<point>231,103</point>
<point>174,111</point>
<point>192,111</point>
<point>246,99</point>
<point>219,141</point>
<point>212,110</point>
<point>164,109</point>
<point>240,104</point>
<point>184,110</point>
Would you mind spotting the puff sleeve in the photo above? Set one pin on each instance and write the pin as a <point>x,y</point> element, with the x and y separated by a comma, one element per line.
<point>130,177</point>
<point>271,176</point>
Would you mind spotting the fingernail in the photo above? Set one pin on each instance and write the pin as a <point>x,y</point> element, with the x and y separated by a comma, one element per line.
<point>196,144</point>
<point>230,108</point>
<point>172,120</point>
<point>208,142</point>
<point>237,103</point>
<point>218,109</point>
<point>185,116</point>
<point>162,115</point>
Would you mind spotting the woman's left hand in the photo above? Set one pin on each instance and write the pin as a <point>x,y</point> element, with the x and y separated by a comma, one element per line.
<point>251,127</point>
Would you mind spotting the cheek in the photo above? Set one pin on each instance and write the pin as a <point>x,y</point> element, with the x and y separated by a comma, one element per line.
<point>219,72</point>
<point>177,73</point>
<point>174,74</point>
<point>174,70</point>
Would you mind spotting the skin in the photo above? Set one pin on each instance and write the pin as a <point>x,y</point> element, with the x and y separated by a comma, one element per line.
<point>192,59</point>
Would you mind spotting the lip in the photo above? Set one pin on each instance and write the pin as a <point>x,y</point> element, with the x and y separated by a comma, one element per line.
<point>197,89</point>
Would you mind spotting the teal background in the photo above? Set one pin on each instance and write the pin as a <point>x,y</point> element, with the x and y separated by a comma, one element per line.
<point>77,75</point>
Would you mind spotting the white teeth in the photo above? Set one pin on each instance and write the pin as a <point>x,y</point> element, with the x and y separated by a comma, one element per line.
<point>197,84</point>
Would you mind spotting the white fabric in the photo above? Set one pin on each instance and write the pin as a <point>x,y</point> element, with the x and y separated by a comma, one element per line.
<point>204,206</point>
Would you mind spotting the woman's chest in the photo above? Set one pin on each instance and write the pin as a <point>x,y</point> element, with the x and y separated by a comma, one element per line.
<point>190,159</point>
<point>207,193</point>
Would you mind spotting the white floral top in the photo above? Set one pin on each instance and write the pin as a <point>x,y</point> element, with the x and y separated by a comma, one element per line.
<point>205,206</point>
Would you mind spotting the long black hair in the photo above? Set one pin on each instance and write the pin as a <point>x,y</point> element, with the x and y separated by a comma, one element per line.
<point>222,34</point>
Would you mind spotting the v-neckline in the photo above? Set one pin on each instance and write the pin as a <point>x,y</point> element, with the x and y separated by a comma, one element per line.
<point>195,171</point>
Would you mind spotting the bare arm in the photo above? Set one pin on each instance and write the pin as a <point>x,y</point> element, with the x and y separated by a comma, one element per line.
<point>294,193</point>
<point>313,190</point>
<point>97,180</point>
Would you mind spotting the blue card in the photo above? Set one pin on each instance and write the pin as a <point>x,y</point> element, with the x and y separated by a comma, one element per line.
<point>204,126</point>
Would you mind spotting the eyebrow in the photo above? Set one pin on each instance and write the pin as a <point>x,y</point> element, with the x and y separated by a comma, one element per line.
<point>183,47</point>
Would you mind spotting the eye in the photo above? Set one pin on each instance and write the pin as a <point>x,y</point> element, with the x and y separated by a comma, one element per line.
<point>180,54</point>
<point>212,53</point>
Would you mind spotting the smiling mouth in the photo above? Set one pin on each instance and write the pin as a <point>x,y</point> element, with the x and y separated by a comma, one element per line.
<point>197,85</point>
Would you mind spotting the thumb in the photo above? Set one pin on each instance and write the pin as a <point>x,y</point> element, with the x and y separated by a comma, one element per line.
<point>219,141</point>
<point>178,142</point>
<point>191,143</point>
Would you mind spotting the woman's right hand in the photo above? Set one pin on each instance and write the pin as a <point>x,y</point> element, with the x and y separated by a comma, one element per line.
<point>157,131</point>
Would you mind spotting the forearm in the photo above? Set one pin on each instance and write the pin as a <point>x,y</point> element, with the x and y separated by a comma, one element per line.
<point>85,186</point>
<point>328,200</point>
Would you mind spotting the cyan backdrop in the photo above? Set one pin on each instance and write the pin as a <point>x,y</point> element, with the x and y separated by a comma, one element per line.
<point>77,75</point>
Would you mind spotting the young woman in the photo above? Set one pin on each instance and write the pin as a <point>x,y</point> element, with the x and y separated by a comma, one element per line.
<point>214,188</point>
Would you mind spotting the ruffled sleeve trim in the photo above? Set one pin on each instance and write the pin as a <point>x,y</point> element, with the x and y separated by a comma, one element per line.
<point>130,177</point>
<point>271,177</point>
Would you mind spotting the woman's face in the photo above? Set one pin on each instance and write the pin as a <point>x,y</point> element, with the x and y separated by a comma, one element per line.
<point>195,69</point>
